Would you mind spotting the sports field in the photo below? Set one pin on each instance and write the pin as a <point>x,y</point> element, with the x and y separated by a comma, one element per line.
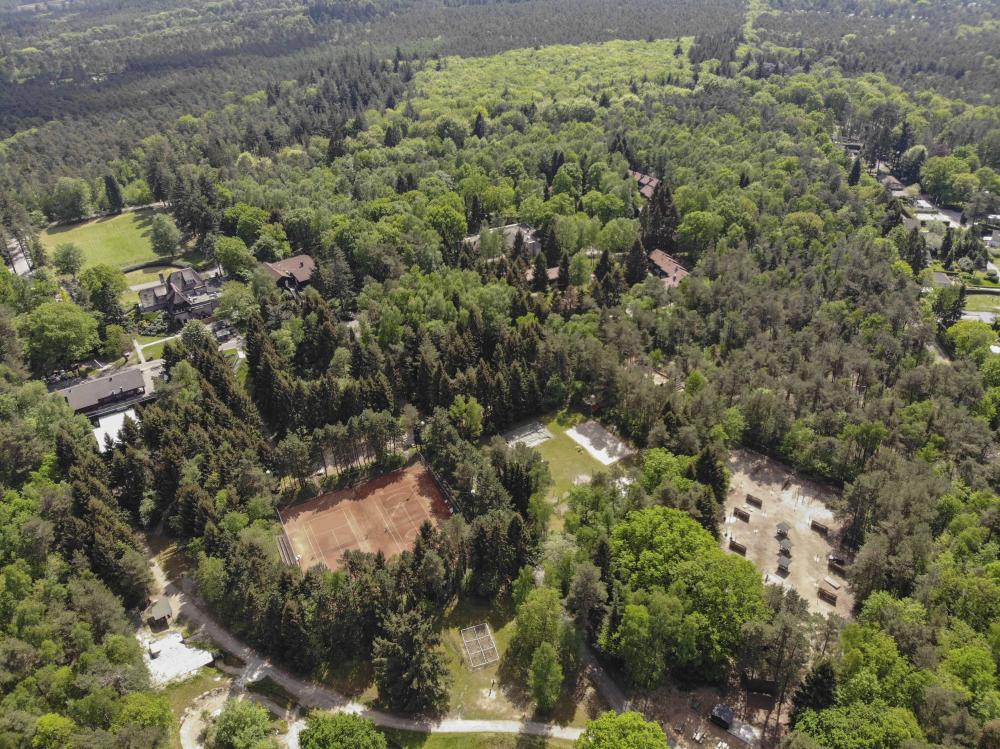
<point>114,240</point>
<point>384,514</point>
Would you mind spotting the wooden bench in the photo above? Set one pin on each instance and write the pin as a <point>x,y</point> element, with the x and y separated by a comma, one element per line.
<point>754,501</point>
<point>819,527</point>
<point>737,547</point>
<point>742,513</point>
<point>836,568</point>
<point>827,595</point>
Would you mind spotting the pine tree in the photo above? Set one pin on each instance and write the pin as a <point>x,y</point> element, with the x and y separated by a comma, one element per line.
<point>816,692</point>
<point>947,246</point>
<point>635,264</point>
<point>659,221</point>
<point>114,193</point>
<point>335,148</point>
<point>603,268</point>
<point>893,217</point>
<point>409,668</point>
<point>915,251</point>
<point>540,277</point>
<point>517,251</point>
<point>710,468</point>
<point>563,282</point>
<point>855,176</point>
<point>903,142</point>
<point>479,126</point>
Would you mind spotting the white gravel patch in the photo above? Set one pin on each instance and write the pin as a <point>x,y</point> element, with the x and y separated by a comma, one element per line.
<point>602,445</point>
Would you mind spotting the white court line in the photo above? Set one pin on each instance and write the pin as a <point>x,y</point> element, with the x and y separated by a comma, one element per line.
<point>388,525</point>
<point>355,529</point>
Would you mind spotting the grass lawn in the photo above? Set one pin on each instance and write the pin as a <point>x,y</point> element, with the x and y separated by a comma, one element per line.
<point>147,275</point>
<point>154,350</point>
<point>982,302</point>
<point>181,694</point>
<point>567,461</point>
<point>115,240</point>
<point>411,740</point>
<point>497,691</point>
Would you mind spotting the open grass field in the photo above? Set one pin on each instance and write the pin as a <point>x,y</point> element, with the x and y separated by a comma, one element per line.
<point>410,740</point>
<point>497,690</point>
<point>115,240</point>
<point>982,302</point>
<point>569,463</point>
<point>147,275</point>
<point>382,514</point>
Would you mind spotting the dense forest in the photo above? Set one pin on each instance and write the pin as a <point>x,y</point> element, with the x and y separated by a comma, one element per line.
<point>79,88</point>
<point>804,331</point>
<point>946,47</point>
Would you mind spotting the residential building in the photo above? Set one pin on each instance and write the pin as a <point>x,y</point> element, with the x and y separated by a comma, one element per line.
<point>532,244</point>
<point>104,394</point>
<point>184,295</point>
<point>293,273</point>
<point>667,268</point>
<point>647,183</point>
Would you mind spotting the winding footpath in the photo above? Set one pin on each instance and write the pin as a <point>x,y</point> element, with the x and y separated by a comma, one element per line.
<point>309,694</point>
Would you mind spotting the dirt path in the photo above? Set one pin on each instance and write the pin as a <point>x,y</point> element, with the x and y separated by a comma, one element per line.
<point>309,694</point>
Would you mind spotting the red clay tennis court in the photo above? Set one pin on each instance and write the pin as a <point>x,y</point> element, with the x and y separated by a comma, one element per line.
<point>385,513</point>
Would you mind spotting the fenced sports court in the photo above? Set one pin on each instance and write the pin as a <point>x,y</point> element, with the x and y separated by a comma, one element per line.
<point>480,647</point>
<point>382,514</point>
<point>531,434</point>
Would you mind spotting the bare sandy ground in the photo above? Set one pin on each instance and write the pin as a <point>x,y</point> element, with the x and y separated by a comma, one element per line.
<point>797,501</point>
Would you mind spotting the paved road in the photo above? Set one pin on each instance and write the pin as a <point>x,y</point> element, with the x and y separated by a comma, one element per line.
<point>312,695</point>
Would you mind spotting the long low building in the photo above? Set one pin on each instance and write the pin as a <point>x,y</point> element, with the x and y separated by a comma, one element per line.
<point>103,393</point>
<point>106,401</point>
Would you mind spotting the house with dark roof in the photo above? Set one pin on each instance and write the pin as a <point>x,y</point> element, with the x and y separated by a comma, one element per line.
<point>184,295</point>
<point>105,393</point>
<point>667,268</point>
<point>158,613</point>
<point>293,273</point>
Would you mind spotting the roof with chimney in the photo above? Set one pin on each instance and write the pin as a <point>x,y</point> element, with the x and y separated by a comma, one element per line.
<point>184,286</point>
<point>298,268</point>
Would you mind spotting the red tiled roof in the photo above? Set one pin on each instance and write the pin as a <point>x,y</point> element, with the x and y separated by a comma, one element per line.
<point>672,271</point>
<point>647,183</point>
